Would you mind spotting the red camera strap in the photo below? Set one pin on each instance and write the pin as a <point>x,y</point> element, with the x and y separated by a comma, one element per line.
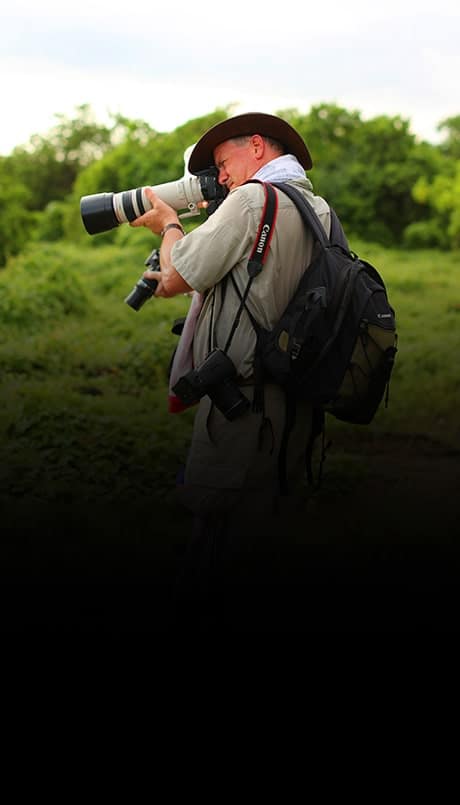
<point>266,228</point>
<point>260,248</point>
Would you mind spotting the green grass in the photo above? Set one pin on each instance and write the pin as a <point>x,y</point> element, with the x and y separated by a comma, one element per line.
<point>83,415</point>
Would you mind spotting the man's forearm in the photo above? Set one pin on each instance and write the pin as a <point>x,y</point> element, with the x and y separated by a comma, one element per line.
<point>171,280</point>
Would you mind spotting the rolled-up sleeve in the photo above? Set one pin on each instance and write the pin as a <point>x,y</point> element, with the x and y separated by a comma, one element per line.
<point>211,250</point>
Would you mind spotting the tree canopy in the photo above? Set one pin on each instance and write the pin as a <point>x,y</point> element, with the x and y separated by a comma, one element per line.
<point>386,185</point>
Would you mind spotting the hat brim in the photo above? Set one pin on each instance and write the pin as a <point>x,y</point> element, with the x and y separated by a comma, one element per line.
<point>202,156</point>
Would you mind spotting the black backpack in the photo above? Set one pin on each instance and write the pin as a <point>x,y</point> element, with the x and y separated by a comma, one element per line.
<point>336,342</point>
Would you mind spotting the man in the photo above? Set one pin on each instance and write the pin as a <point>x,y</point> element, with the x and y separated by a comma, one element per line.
<point>231,478</point>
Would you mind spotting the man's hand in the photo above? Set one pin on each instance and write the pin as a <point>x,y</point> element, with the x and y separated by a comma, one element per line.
<point>159,216</point>
<point>170,282</point>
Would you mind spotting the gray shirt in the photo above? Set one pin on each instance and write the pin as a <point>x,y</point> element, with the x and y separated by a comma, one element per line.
<point>223,243</point>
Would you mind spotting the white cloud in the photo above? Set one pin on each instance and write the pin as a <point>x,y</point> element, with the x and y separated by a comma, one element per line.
<point>166,64</point>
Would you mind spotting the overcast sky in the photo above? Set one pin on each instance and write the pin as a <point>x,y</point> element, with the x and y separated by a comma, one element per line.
<point>168,62</point>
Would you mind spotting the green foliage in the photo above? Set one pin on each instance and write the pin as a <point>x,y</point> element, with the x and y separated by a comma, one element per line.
<point>16,222</point>
<point>48,165</point>
<point>39,287</point>
<point>441,197</point>
<point>366,169</point>
<point>156,159</point>
<point>451,145</point>
<point>428,234</point>
<point>386,186</point>
<point>50,222</point>
<point>83,414</point>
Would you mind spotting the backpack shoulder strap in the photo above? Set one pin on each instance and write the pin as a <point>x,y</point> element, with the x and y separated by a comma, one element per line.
<point>306,210</point>
<point>337,235</point>
<point>311,219</point>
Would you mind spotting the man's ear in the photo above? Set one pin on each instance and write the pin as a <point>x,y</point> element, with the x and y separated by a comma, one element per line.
<point>258,146</point>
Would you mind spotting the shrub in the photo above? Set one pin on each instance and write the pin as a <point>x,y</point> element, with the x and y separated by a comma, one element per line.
<point>41,286</point>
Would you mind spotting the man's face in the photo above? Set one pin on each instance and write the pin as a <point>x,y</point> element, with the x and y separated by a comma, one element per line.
<point>235,163</point>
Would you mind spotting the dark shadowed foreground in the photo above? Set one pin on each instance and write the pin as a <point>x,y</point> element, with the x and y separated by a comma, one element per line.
<point>375,549</point>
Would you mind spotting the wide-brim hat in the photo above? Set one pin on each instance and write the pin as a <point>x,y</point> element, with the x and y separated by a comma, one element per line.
<point>202,156</point>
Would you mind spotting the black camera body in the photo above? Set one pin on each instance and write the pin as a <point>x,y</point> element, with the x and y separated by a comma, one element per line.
<point>145,288</point>
<point>216,377</point>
